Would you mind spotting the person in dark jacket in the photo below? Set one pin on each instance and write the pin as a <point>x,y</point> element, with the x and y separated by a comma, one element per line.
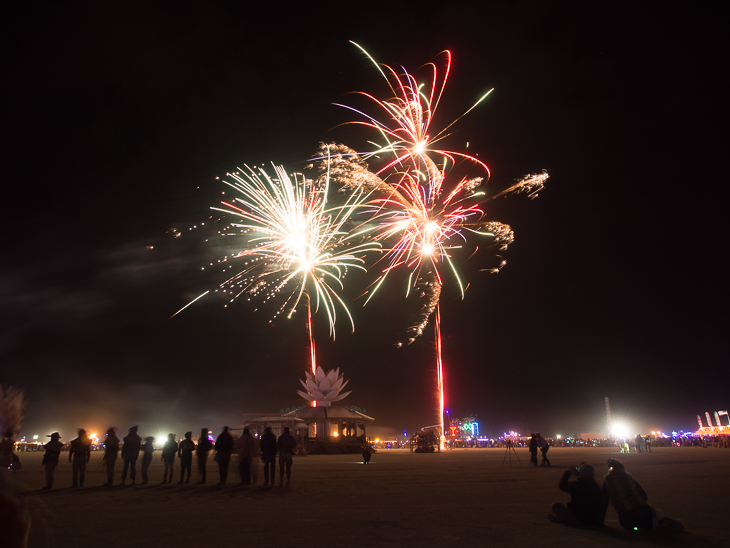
<point>245,456</point>
<point>544,448</point>
<point>148,450</point>
<point>185,453</point>
<point>630,501</point>
<point>168,457</point>
<point>50,459</point>
<point>286,446</point>
<point>111,449</point>
<point>223,449</point>
<point>268,455</point>
<point>202,450</point>
<point>130,454</point>
<point>533,450</point>
<point>584,507</point>
<point>79,453</point>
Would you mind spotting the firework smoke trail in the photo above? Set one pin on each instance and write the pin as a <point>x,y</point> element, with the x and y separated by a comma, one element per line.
<point>293,242</point>
<point>418,209</point>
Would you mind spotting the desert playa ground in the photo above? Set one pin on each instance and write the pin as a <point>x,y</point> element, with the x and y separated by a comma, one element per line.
<point>463,497</point>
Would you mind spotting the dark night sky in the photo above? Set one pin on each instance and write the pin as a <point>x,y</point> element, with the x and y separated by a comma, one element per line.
<point>118,120</point>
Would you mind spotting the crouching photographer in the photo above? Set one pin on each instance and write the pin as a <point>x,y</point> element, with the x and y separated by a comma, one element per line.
<point>584,507</point>
<point>630,501</point>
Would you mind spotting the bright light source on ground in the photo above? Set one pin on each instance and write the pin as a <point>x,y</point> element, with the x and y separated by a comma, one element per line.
<point>620,430</point>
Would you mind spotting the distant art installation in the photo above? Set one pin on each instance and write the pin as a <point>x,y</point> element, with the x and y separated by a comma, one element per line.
<point>323,388</point>
<point>719,429</point>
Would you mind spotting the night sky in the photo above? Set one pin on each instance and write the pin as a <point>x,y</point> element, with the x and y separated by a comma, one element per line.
<point>117,120</point>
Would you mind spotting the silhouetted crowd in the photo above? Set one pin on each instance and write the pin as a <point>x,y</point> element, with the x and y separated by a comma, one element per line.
<point>249,449</point>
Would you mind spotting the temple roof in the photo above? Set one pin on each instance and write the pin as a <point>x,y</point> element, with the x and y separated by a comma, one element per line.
<point>332,413</point>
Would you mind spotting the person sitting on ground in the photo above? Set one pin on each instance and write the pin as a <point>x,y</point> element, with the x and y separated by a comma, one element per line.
<point>629,500</point>
<point>584,507</point>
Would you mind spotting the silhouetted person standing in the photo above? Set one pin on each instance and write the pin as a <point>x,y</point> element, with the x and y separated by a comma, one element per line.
<point>533,450</point>
<point>639,443</point>
<point>366,455</point>
<point>111,450</point>
<point>50,459</point>
<point>286,446</point>
<point>130,454</point>
<point>268,455</point>
<point>185,452</point>
<point>245,456</point>
<point>148,450</point>
<point>223,450</point>
<point>544,448</point>
<point>168,457</point>
<point>79,454</point>
<point>204,447</point>
<point>255,457</point>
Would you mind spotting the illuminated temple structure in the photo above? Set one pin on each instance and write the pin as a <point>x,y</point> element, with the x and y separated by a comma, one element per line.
<point>319,428</point>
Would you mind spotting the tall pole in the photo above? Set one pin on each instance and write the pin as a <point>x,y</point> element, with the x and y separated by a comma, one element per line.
<point>312,355</point>
<point>440,374</point>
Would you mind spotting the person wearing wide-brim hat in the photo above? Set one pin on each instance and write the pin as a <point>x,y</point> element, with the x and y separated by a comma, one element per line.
<point>50,459</point>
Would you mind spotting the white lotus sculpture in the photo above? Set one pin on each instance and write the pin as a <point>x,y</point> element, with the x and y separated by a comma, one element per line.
<point>323,389</point>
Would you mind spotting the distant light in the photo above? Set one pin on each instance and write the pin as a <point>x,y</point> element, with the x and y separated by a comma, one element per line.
<point>620,429</point>
<point>559,436</point>
<point>35,437</point>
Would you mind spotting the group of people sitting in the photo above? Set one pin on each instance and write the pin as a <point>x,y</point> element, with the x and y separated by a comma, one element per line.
<point>589,501</point>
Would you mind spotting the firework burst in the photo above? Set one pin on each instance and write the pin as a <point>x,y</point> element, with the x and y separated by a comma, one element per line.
<point>290,242</point>
<point>420,211</point>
